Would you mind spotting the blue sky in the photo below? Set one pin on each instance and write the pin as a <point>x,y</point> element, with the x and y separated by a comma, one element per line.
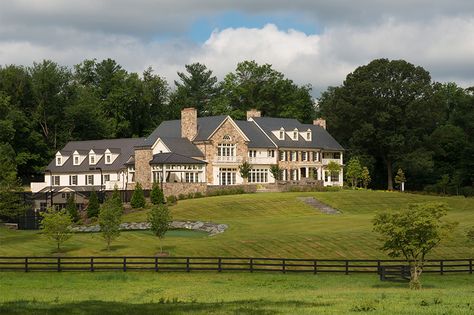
<point>316,42</point>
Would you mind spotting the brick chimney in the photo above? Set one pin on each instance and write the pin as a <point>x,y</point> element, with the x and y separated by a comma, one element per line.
<point>320,122</point>
<point>189,123</point>
<point>253,113</point>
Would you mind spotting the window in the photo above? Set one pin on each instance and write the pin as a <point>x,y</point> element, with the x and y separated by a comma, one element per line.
<point>91,159</point>
<point>56,180</point>
<point>76,160</point>
<point>73,180</point>
<point>108,159</point>
<point>294,174</point>
<point>282,134</point>
<point>156,176</point>
<point>90,180</point>
<point>337,155</point>
<point>226,138</point>
<point>295,135</point>
<point>271,153</point>
<point>326,176</point>
<point>308,135</point>
<point>106,178</point>
<point>315,156</point>
<point>191,177</point>
<point>258,176</point>
<point>58,161</point>
<point>227,176</point>
<point>226,149</point>
<point>293,156</point>
<point>304,156</point>
<point>253,153</point>
<point>281,155</point>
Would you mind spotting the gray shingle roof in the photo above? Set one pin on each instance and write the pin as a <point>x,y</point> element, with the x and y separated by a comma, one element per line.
<point>174,158</point>
<point>182,146</point>
<point>126,150</point>
<point>257,137</point>
<point>320,137</point>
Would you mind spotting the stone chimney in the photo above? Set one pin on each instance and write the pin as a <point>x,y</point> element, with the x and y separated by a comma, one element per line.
<point>253,113</point>
<point>320,122</point>
<point>189,123</point>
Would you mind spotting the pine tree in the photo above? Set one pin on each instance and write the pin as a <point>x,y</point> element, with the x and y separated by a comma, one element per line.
<point>138,197</point>
<point>157,197</point>
<point>117,200</point>
<point>71,209</point>
<point>94,206</point>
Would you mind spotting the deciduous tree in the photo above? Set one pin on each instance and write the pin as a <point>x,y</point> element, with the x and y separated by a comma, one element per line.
<point>354,171</point>
<point>55,226</point>
<point>110,217</point>
<point>160,221</point>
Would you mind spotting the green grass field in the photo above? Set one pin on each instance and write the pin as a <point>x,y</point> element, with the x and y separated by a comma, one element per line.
<point>262,225</point>
<point>228,293</point>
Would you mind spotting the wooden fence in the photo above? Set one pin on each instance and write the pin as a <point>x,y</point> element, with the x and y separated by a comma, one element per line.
<point>220,264</point>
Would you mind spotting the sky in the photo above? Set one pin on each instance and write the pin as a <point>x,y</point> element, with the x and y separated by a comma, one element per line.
<point>311,41</point>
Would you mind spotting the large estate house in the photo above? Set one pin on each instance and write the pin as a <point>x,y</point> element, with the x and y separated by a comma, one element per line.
<point>189,154</point>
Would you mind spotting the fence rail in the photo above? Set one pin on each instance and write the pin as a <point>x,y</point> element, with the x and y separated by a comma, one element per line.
<point>220,264</point>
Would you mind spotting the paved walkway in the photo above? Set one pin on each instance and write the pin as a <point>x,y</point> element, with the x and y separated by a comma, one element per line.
<point>324,208</point>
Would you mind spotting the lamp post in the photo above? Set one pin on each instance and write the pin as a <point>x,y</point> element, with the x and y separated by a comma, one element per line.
<point>101,180</point>
<point>50,187</point>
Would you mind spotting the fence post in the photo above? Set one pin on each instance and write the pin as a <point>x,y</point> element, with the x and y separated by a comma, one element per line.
<point>26,264</point>
<point>441,267</point>
<point>347,267</point>
<point>92,263</point>
<point>283,265</point>
<point>59,263</point>
<point>251,264</point>
<point>187,264</point>
<point>156,264</point>
<point>378,266</point>
<point>315,265</point>
<point>382,272</point>
<point>219,264</point>
<point>470,266</point>
<point>124,264</point>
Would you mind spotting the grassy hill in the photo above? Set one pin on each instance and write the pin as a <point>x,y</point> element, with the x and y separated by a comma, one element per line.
<point>265,225</point>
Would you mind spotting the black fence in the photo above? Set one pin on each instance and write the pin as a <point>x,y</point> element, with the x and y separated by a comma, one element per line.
<point>220,264</point>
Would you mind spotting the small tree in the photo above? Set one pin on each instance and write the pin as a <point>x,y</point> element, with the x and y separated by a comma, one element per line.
<point>400,178</point>
<point>160,221</point>
<point>55,226</point>
<point>443,183</point>
<point>334,168</point>
<point>156,196</point>
<point>412,233</point>
<point>118,204</point>
<point>354,171</point>
<point>244,170</point>
<point>93,206</point>
<point>110,217</point>
<point>276,171</point>
<point>71,209</point>
<point>138,197</point>
<point>366,177</point>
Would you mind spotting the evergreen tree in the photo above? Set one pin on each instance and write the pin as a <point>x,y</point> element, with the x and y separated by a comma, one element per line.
<point>138,197</point>
<point>93,206</point>
<point>118,204</point>
<point>276,171</point>
<point>156,196</point>
<point>366,177</point>
<point>71,209</point>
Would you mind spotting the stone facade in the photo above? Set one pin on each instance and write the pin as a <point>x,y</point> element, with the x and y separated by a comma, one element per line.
<point>174,189</point>
<point>209,148</point>
<point>143,156</point>
<point>312,168</point>
<point>189,123</point>
<point>253,113</point>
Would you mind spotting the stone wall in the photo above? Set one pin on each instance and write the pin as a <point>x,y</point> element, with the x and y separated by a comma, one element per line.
<point>143,156</point>
<point>248,188</point>
<point>189,123</point>
<point>174,189</point>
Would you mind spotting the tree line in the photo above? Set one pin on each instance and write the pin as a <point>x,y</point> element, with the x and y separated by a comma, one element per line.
<point>388,113</point>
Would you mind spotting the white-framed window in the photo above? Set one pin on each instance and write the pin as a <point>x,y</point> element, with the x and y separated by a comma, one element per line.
<point>227,176</point>
<point>293,156</point>
<point>106,178</point>
<point>72,180</point>
<point>315,156</point>
<point>304,156</point>
<point>226,149</point>
<point>91,159</point>
<point>271,153</point>
<point>108,159</point>
<point>308,135</point>
<point>58,161</point>
<point>76,160</point>
<point>258,176</point>
<point>89,179</point>
<point>56,180</point>
<point>252,153</point>
<point>191,177</point>
<point>281,155</point>
<point>282,134</point>
<point>295,134</point>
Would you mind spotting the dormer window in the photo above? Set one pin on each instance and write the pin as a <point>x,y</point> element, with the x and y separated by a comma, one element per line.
<point>58,161</point>
<point>91,159</point>
<point>76,160</point>
<point>308,135</point>
<point>108,159</point>
<point>295,134</point>
<point>282,134</point>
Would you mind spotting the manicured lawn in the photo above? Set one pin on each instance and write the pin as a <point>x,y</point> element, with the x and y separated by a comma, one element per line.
<point>228,293</point>
<point>263,225</point>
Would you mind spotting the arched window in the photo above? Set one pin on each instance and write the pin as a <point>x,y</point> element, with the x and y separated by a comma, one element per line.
<point>226,138</point>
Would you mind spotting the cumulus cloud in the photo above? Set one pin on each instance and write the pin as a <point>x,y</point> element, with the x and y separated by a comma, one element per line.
<point>437,37</point>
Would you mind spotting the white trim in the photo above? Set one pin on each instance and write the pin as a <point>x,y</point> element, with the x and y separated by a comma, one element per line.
<point>251,119</point>
<point>156,143</point>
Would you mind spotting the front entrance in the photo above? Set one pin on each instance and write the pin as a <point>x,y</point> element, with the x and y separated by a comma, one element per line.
<point>227,176</point>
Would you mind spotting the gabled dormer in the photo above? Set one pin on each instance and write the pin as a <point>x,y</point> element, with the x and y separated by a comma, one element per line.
<point>78,156</point>
<point>294,135</point>
<point>95,155</point>
<point>308,136</point>
<point>280,134</point>
<point>110,155</point>
<point>61,157</point>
